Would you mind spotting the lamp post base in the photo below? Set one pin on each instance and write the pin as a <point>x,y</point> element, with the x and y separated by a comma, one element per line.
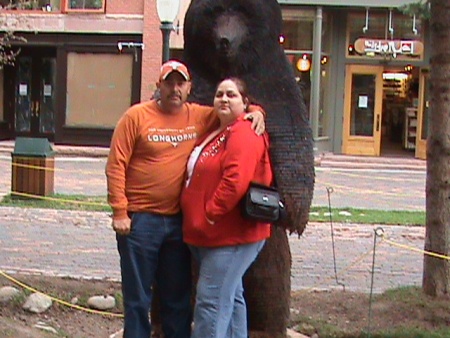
<point>166,28</point>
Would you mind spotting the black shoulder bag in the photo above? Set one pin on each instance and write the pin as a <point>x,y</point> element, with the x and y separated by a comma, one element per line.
<point>262,203</point>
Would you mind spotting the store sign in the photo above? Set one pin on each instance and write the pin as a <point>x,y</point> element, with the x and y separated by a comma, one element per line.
<point>392,47</point>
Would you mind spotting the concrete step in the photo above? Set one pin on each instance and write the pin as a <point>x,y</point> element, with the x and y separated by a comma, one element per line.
<point>330,160</point>
<point>323,160</point>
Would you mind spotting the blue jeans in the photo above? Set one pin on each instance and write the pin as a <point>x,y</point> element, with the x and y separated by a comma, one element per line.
<point>154,252</point>
<point>220,309</point>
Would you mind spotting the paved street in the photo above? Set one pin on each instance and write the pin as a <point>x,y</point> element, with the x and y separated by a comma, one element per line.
<point>82,244</point>
<point>382,189</point>
<point>365,188</point>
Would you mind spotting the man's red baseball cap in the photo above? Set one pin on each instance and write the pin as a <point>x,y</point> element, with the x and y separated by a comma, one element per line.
<point>174,66</point>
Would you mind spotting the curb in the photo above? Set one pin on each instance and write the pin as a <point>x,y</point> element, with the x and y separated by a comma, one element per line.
<point>373,166</point>
<point>68,151</point>
<point>322,160</point>
<point>331,160</point>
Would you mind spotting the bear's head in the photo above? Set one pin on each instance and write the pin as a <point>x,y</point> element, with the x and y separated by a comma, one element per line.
<point>219,34</point>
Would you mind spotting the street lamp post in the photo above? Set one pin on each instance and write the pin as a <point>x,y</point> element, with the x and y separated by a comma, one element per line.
<point>167,12</point>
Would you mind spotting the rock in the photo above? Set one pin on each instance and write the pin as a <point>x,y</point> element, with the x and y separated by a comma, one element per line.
<point>295,334</point>
<point>304,327</point>
<point>102,302</point>
<point>7,293</point>
<point>74,300</point>
<point>45,327</point>
<point>117,334</point>
<point>37,303</point>
<point>294,311</point>
<point>345,213</point>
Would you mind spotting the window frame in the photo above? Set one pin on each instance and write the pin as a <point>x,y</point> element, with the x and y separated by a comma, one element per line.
<point>67,9</point>
<point>39,10</point>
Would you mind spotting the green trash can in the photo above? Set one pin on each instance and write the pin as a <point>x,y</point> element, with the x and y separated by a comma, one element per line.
<point>33,168</point>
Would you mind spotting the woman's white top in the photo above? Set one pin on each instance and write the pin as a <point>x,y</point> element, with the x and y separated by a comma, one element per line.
<point>195,154</point>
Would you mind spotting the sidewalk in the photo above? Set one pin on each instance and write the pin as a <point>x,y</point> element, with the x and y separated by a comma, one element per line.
<point>324,160</point>
<point>82,244</point>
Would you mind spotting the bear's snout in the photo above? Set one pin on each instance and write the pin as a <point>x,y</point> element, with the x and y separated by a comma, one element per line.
<point>230,32</point>
<point>224,44</point>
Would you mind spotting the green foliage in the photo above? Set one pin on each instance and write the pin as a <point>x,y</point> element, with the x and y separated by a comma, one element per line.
<point>317,214</point>
<point>7,54</point>
<point>421,9</point>
<point>367,216</point>
<point>59,201</point>
<point>407,332</point>
<point>7,38</point>
<point>404,312</point>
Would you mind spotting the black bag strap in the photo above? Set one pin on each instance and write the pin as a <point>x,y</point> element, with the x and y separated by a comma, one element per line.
<point>274,180</point>
<point>266,143</point>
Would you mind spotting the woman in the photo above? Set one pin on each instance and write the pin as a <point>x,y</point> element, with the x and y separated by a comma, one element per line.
<point>222,241</point>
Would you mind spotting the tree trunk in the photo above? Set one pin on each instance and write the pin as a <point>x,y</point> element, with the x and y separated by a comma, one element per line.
<point>436,273</point>
<point>267,286</point>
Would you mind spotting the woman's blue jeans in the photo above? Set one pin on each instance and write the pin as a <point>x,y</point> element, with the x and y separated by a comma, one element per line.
<point>220,309</point>
<point>154,252</point>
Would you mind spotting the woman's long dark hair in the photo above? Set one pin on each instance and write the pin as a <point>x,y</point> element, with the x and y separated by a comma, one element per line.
<point>242,88</point>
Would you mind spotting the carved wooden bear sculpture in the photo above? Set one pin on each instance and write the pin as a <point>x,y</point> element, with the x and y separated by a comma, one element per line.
<point>241,38</point>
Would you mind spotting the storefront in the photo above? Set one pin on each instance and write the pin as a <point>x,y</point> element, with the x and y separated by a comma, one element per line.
<point>71,81</point>
<point>79,68</point>
<point>69,88</point>
<point>370,96</point>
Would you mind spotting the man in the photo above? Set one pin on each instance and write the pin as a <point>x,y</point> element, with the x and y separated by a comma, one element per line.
<point>145,172</point>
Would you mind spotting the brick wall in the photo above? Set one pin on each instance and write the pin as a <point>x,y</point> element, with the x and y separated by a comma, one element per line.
<point>125,6</point>
<point>151,57</point>
<point>152,39</point>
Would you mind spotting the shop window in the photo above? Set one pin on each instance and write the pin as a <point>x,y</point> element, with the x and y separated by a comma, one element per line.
<point>297,35</point>
<point>384,34</point>
<point>2,115</point>
<point>85,6</point>
<point>362,104</point>
<point>297,39</point>
<point>426,108</point>
<point>303,74</point>
<point>96,96</point>
<point>35,5</point>
<point>324,116</point>
<point>298,30</point>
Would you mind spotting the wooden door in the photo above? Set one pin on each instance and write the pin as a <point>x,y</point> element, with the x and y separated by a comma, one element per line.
<point>422,116</point>
<point>362,110</point>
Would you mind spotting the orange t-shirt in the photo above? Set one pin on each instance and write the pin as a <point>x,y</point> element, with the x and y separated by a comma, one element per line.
<point>147,160</point>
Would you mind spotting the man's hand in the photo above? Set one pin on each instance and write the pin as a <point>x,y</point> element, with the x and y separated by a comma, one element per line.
<point>258,124</point>
<point>121,226</point>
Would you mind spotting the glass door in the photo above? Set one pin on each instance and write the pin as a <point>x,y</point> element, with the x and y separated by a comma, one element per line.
<point>35,80</point>
<point>422,117</point>
<point>362,110</point>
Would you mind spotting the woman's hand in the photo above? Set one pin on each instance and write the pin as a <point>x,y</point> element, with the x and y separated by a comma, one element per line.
<point>258,123</point>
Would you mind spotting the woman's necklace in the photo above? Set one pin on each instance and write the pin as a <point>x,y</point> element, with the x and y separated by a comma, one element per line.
<point>212,150</point>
